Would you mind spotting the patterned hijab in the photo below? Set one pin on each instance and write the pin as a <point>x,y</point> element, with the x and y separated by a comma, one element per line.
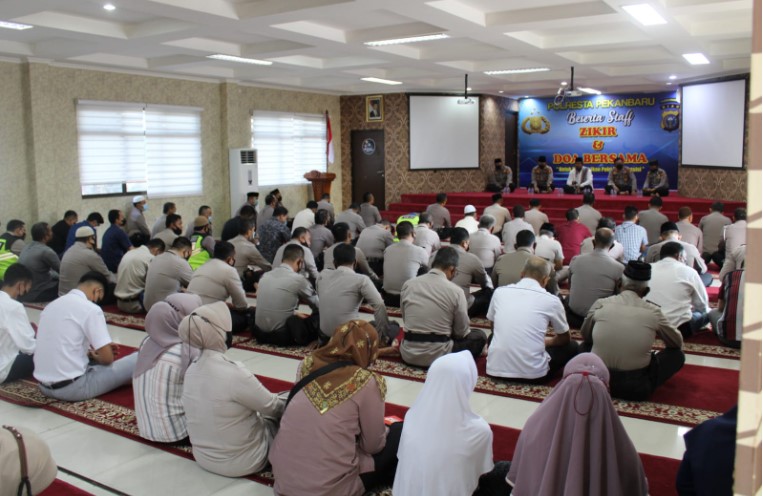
<point>355,341</point>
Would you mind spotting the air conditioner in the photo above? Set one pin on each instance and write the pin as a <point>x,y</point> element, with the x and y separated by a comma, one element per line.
<point>243,176</point>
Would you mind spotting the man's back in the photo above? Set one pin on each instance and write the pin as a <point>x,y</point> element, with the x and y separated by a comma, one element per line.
<point>353,220</point>
<point>510,230</point>
<point>691,234</point>
<point>509,266</point>
<point>166,274</point>
<point>631,236</point>
<point>693,257</point>
<point>217,281</point>
<point>712,229</point>
<point>304,218</point>
<point>735,235</point>
<point>652,220</point>
<point>536,218</point>
<point>77,261</point>
<point>592,276</point>
<point>247,254</point>
<point>370,214</point>
<point>486,247</point>
<point>327,206</point>
<point>373,240</point>
<point>501,215</point>
<point>469,270</point>
<point>321,238</point>
<point>136,223</point>
<point>570,235</point>
<point>114,245</point>
<point>278,297</point>
<point>402,261</point>
<point>589,217</point>
<point>427,239</point>
<point>44,264</point>
<point>340,293</point>
<point>549,249</point>
<point>677,289</point>
<point>440,215</point>
<point>131,277</point>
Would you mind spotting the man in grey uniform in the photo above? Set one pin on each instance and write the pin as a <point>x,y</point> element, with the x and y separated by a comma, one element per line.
<point>424,236</point>
<point>588,215</point>
<point>470,270</point>
<point>439,214</point>
<point>168,273</point>
<point>352,219</point>
<point>689,232</point>
<point>341,232</point>
<point>651,219</point>
<point>325,204</point>
<point>247,256</point>
<point>712,226</point>
<point>80,259</point>
<point>301,238</point>
<point>373,241</point>
<point>402,261</point>
<point>369,211</point>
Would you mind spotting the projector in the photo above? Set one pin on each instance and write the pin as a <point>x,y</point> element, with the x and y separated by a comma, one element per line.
<point>466,101</point>
<point>573,93</point>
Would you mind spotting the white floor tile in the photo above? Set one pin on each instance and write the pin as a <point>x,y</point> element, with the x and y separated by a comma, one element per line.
<point>245,488</point>
<point>35,419</point>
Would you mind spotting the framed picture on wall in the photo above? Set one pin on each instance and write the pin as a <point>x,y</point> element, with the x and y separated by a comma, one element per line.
<point>374,108</point>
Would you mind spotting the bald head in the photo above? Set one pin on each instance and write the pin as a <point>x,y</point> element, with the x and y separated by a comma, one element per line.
<point>603,238</point>
<point>537,268</point>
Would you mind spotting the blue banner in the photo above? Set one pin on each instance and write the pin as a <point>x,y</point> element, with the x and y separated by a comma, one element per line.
<point>637,128</point>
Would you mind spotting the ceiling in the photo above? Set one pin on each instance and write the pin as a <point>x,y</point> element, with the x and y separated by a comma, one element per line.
<point>318,45</point>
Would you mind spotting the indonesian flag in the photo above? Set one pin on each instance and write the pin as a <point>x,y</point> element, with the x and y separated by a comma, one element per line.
<point>329,140</point>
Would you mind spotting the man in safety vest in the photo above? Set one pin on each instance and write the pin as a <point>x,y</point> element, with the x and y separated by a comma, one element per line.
<point>203,244</point>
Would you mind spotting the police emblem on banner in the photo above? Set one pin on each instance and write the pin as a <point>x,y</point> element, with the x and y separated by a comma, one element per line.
<point>368,146</point>
<point>536,124</point>
<point>671,107</point>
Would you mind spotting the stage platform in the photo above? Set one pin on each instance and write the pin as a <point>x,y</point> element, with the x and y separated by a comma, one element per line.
<point>555,204</point>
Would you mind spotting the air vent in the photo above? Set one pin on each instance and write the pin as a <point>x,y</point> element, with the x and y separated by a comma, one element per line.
<point>248,156</point>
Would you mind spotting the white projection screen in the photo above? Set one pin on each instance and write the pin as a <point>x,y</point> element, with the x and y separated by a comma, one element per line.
<point>444,133</point>
<point>712,124</point>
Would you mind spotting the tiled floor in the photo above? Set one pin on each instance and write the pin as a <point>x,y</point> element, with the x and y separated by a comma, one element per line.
<point>141,470</point>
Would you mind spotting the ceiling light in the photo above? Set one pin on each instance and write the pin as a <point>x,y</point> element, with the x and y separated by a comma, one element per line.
<point>500,91</point>
<point>672,76</point>
<point>469,88</point>
<point>564,83</point>
<point>241,60</point>
<point>410,39</point>
<point>696,58</point>
<point>517,71</point>
<point>380,81</point>
<point>645,14</point>
<point>110,7</point>
<point>14,25</point>
<point>590,91</point>
<point>668,83</point>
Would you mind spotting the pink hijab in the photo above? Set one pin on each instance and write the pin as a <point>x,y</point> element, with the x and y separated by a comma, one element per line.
<point>162,324</point>
<point>574,443</point>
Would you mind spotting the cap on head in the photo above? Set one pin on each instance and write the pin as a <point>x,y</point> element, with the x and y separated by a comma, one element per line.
<point>200,221</point>
<point>638,271</point>
<point>84,232</point>
<point>138,199</point>
<point>469,209</point>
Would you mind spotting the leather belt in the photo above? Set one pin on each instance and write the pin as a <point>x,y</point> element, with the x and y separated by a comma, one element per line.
<point>426,338</point>
<point>60,384</point>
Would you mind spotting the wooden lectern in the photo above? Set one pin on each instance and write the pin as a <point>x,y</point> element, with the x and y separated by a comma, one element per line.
<point>321,182</point>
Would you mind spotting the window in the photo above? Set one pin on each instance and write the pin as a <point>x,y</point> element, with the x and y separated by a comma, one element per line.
<point>133,147</point>
<point>288,145</point>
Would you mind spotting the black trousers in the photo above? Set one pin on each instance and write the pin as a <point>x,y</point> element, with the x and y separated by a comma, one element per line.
<point>241,320</point>
<point>251,277</point>
<point>495,188</point>
<point>718,257</point>
<point>574,320</point>
<point>570,190</point>
<point>385,461</point>
<point>391,300</point>
<point>481,303</point>
<point>608,189</point>
<point>474,343</point>
<point>494,482</point>
<point>663,191</point>
<point>23,366</point>
<point>545,188</point>
<point>377,265</point>
<point>297,331</point>
<point>638,385</point>
<point>43,297</point>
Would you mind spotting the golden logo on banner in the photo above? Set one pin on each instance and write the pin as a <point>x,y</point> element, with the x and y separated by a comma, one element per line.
<point>670,110</point>
<point>536,124</point>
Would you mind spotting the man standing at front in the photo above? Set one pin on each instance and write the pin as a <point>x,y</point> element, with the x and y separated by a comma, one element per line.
<point>72,334</point>
<point>521,314</point>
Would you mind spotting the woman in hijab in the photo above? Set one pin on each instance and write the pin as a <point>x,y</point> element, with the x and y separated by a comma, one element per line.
<point>232,417</point>
<point>332,440</point>
<point>445,447</point>
<point>158,377</point>
<point>574,443</point>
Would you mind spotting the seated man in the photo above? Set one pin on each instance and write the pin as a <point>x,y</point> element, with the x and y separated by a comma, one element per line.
<point>632,236</point>
<point>341,292</point>
<point>352,219</point>
<point>75,356</point>
<point>689,232</point>
<point>669,232</point>
<point>342,235</point>
<point>621,329</point>
<point>273,233</point>
<point>656,181</point>
<point>202,242</point>
<point>44,264</point>
<point>542,177</point>
<point>369,212</point>
<point>727,318</point>
<point>435,315</point>
<point>621,180</point>
<point>217,280</point>
<point>678,290</point>
<point>115,242</point>
<point>14,236</point>
<point>615,251</point>
<point>580,179</point>
<point>325,204</point>
<point>509,267</point>
<point>712,227</point>
<point>169,208</point>
<point>373,240</point>
<point>80,259</point>
<point>514,226</point>
<point>131,276</point>
<point>500,213</point>
<point>734,235</point>
<point>588,215</point>
<point>61,232</point>
<point>232,226</point>
<point>593,276</point>
<point>248,256</point>
<point>173,227</point>
<point>571,234</point>
<point>94,219</point>
<point>300,237</point>
<point>17,342</point>
<point>271,202</point>
<point>486,246</point>
<point>733,261</point>
<point>168,273</point>
<point>651,219</point>
<point>137,227</point>
<point>402,261</point>
<point>549,249</point>
<point>535,216</point>
<point>468,271</point>
<point>438,213</point>
<point>469,221</point>
<point>321,236</point>
<point>426,237</point>
<point>500,179</point>
<point>521,314</point>
<point>280,292</point>
<point>305,217</point>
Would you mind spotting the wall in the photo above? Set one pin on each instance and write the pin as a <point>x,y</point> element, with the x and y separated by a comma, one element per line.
<point>398,178</point>
<point>38,138</point>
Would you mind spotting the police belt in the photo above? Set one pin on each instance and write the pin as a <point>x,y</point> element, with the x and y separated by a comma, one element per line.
<point>418,337</point>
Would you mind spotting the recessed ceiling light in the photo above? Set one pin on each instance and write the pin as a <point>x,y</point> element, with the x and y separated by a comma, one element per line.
<point>645,14</point>
<point>14,25</point>
<point>469,88</point>
<point>110,7</point>
<point>410,39</point>
<point>564,83</point>
<point>590,91</point>
<point>527,96</point>
<point>241,60</point>
<point>672,76</point>
<point>380,81</point>
<point>517,71</point>
<point>500,91</point>
<point>668,83</point>
<point>696,58</point>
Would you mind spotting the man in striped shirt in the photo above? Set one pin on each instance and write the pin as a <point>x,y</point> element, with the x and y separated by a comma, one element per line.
<point>632,236</point>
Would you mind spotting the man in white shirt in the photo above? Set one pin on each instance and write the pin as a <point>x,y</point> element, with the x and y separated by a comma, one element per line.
<point>580,179</point>
<point>75,356</point>
<point>500,213</point>
<point>469,222</point>
<point>615,251</point>
<point>535,217</point>
<point>549,249</point>
<point>511,228</point>
<point>521,314</point>
<point>679,291</point>
<point>484,245</point>
<point>131,276</point>
<point>16,334</point>
<point>425,236</point>
<point>306,217</point>
<point>669,232</point>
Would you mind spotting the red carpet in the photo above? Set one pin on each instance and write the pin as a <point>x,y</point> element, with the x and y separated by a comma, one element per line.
<point>114,412</point>
<point>61,488</point>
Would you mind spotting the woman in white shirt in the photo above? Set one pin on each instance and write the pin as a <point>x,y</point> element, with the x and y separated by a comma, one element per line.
<point>159,374</point>
<point>445,447</point>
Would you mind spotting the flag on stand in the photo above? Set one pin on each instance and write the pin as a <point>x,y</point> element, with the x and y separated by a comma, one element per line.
<point>329,140</point>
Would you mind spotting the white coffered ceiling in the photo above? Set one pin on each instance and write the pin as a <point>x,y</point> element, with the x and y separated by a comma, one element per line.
<point>319,44</point>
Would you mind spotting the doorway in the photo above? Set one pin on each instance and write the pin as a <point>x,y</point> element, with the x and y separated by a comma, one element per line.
<point>368,165</point>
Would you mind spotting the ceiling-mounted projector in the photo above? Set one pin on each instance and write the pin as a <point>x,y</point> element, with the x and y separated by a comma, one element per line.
<point>466,100</point>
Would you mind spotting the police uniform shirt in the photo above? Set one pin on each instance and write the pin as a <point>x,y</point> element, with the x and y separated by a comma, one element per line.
<point>353,220</point>
<point>278,296</point>
<point>374,240</point>
<point>309,270</point>
<point>589,217</point>
<point>247,254</point>
<point>693,257</point>
<point>217,281</point>
<point>77,261</point>
<point>402,262</point>
<point>370,214</point>
<point>500,214</point>
<point>324,205</point>
<point>652,220</point>
<point>470,270</point>
<point>486,247</point>
<point>508,268</point>
<point>592,276</point>
<point>426,238</point>
<point>340,294</point>
<point>166,274</point>
<point>360,261</point>
<point>712,229</point>
<point>536,218</point>
<point>167,235</point>
<point>440,216</point>
<point>136,223</point>
<point>691,234</point>
<point>320,239</point>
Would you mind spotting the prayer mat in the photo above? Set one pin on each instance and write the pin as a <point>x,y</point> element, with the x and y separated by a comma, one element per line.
<point>114,412</point>
<point>61,488</point>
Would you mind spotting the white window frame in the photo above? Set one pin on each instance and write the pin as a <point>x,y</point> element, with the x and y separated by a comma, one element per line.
<point>288,145</point>
<point>157,149</point>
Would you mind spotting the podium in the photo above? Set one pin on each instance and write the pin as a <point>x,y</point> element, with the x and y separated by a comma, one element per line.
<point>321,182</point>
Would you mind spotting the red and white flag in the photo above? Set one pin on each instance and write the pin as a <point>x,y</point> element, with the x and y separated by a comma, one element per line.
<point>329,140</point>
